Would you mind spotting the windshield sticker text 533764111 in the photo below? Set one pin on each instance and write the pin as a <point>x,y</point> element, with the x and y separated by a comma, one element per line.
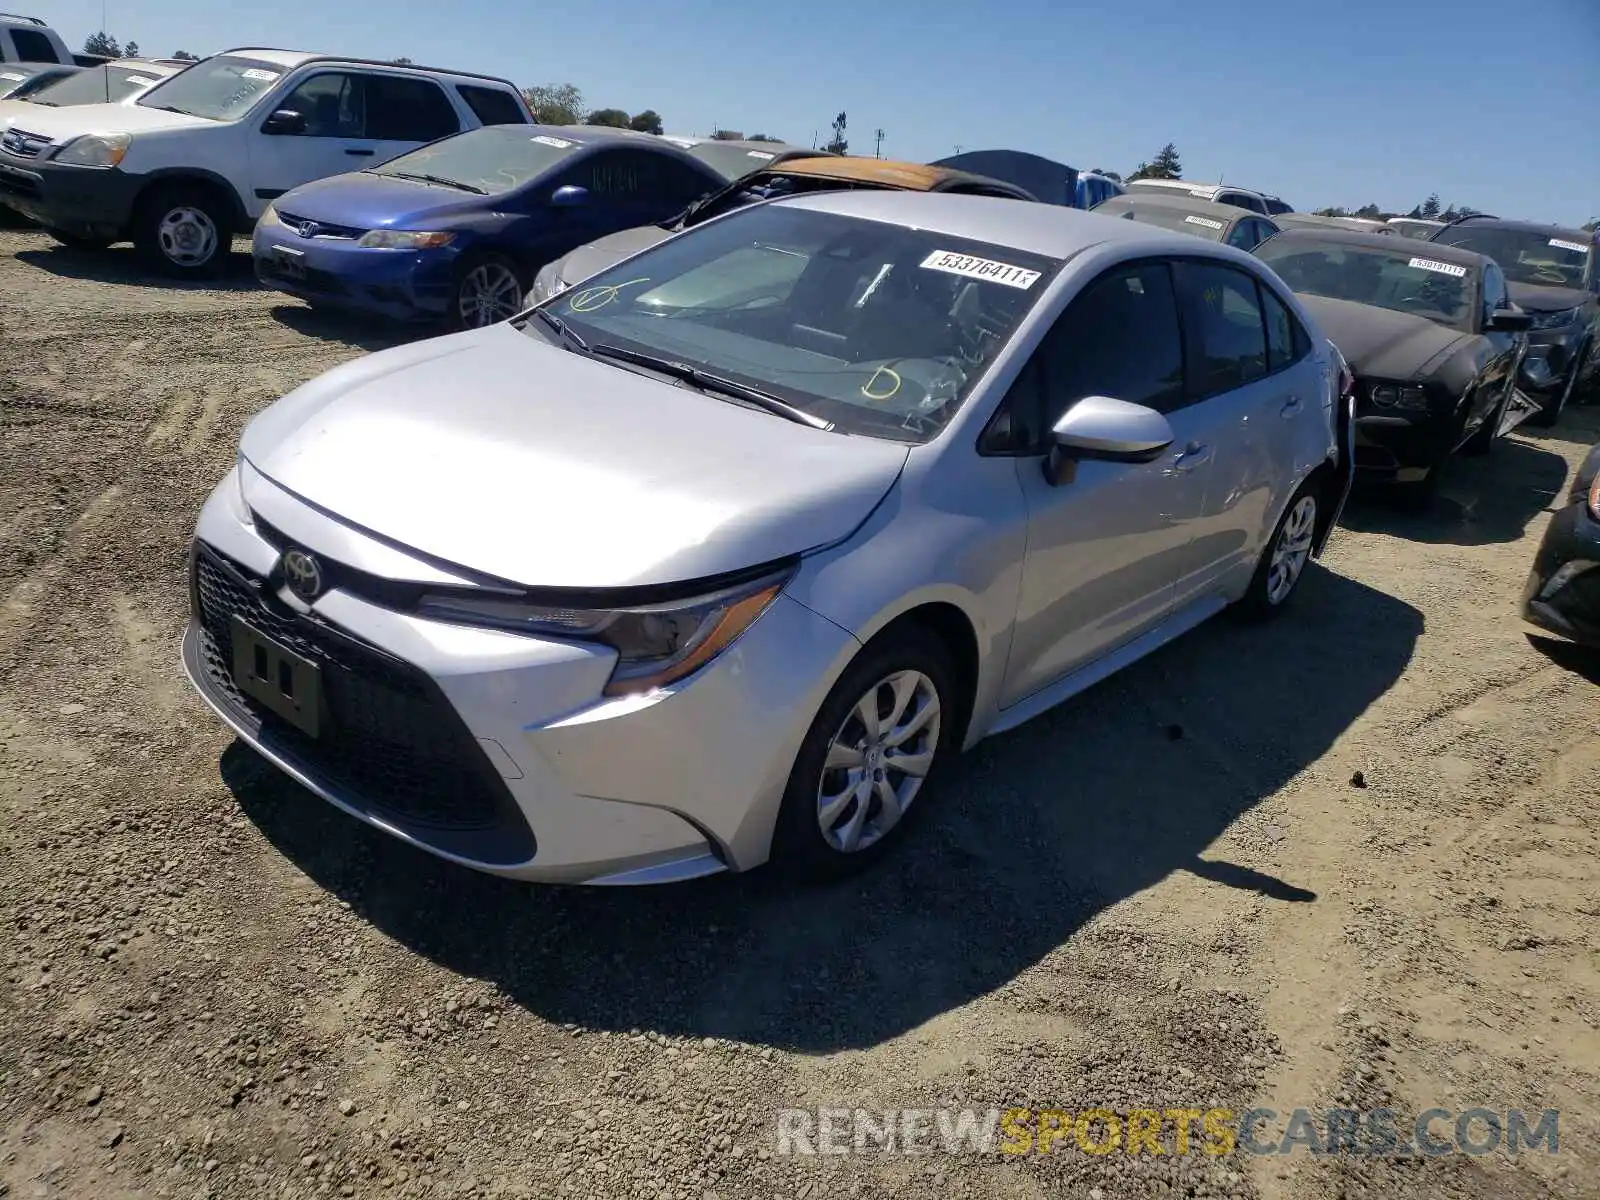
<point>981,268</point>
<point>1427,264</point>
<point>1206,221</point>
<point>1563,244</point>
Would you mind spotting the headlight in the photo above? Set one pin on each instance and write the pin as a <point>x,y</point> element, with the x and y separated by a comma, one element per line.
<point>547,283</point>
<point>1555,320</point>
<point>269,216</point>
<point>655,645</point>
<point>404,239</point>
<point>93,150</point>
<point>1396,395</point>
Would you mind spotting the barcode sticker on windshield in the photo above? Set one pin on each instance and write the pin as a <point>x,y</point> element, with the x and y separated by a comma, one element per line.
<point>980,268</point>
<point>686,143</point>
<point>1427,264</point>
<point>558,143</point>
<point>258,74</point>
<point>761,154</point>
<point>1563,244</point>
<point>137,79</point>
<point>1206,221</point>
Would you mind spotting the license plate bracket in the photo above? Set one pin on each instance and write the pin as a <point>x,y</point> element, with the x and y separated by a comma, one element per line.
<point>287,683</point>
<point>289,262</point>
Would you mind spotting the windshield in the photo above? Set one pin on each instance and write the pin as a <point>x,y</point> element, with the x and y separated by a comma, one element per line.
<point>98,85</point>
<point>220,89</point>
<point>1555,258</point>
<point>1402,280</point>
<point>17,79</point>
<point>731,160</point>
<point>1166,218</point>
<point>494,159</point>
<point>881,329</point>
<point>769,185</point>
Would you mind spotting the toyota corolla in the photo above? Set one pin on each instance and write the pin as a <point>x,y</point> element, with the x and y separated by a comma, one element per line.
<point>723,555</point>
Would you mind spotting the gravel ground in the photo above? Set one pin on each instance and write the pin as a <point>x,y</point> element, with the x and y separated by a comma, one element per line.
<point>1346,859</point>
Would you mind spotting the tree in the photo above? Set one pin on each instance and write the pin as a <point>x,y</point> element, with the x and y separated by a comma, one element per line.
<point>1593,226</point>
<point>1430,207</point>
<point>402,62</point>
<point>648,121</point>
<point>103,44</point>
<point>613,118</point>
<point>185,56</point>
<point>1166,165</point>
<point>555,104</point>
<point>838,144</point>
<point>1371,212</point>
<point>762,137</point>
<point>131,50</point>
<point>726,135</point>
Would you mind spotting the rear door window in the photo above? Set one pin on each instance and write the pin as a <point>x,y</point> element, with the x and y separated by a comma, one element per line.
<point>492,106</point>
<point>33,46</point>
<point>408,109</point>
<point>1227,332</point>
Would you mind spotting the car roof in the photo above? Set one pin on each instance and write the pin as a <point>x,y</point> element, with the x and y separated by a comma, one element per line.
<point>1052,230</point>
<point>1134,201</point>
<point>1180,184</point>
<point>773,148</point>
<point>1567,231</point>
<point>1437,251</point>
<point>170,66</point>
<point>1323,221</point>
<point>290,59</point>
<point>905,176</point>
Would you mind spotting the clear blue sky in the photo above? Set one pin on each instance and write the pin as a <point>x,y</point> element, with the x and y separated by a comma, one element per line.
<point>1491,103</point>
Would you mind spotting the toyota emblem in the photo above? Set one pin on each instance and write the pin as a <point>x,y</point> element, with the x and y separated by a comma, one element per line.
<point>302,574</point>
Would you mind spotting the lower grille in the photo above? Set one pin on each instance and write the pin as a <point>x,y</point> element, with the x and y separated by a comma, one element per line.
<point>390,738</point>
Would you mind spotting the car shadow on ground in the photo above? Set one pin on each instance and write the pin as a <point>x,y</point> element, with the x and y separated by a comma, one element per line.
<point>121,265</point>
<point>1580,660</point>
<point>364,333</point>
<point>1032,834</point>
<point>1481,501</point>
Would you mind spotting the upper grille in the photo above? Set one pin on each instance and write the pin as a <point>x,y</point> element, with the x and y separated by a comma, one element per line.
<point>23,144</point>
<point>320,229</point>
<point>390,738</point>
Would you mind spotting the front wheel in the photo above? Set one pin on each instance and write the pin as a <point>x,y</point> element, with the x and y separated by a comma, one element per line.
<point>1284,560</point>
<point>880,736</point>
<point>183,232</point>
<point>1483,438</point>
<point>489,289</point>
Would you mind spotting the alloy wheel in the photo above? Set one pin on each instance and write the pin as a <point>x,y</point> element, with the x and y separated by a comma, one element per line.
<point>187,236</point>
<point>877,761</point>
<point>490,293</point>
<point>1292,549</point>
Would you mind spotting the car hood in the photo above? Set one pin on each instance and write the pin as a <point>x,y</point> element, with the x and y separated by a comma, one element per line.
<point>59,124</point>
<point>608,251</point>
<point>495,451</point>
<point>364,201</point>
<point>1380,342</point>
<point>1543,297</point>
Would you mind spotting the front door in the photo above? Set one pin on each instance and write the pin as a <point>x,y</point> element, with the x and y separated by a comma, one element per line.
<point>1106,547</point>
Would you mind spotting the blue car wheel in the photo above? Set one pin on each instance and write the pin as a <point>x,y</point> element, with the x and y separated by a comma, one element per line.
<point>489,289</point>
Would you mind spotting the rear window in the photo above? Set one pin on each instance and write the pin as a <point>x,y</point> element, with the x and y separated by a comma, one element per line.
<point>492,106</point>
<point>33,46</point>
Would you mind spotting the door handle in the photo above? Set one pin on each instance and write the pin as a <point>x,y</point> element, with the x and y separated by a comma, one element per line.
<point>1291,407</point>
<point>351,150</point>
<point>1192,456</point>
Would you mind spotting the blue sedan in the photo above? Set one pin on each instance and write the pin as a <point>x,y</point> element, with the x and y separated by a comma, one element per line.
<point>454,231</point>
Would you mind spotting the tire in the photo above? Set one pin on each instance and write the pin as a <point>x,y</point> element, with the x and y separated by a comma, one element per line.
<point>73,241</point>
<point>1285,556</point>
<point>1483,441</point>
<point>918,660</point>
<point>489,289</point>
<point>184,232</point>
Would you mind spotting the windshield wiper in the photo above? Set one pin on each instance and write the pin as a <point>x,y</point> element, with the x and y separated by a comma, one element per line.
<point>438,179</point>
<point>172,108</point>
<point>569,339</point>
<point>708,382</point>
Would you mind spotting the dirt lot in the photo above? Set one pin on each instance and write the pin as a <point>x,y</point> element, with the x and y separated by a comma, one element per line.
<point>1169,893</point>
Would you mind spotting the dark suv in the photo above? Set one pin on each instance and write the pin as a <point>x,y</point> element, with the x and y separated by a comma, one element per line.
<point>1554,274</point>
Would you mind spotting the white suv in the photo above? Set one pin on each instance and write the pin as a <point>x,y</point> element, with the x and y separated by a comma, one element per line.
<point>1215,192</point>
<point>197,158</point>
<point>28,39</point>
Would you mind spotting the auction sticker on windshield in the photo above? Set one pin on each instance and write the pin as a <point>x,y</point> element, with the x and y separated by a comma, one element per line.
<point>761,154</point>
<point>257,73</point>
<point>1206,221</point>
<point>1563,244</point>
<point>981,268</point>
<point>558,143</point>
<point>1427,264</point>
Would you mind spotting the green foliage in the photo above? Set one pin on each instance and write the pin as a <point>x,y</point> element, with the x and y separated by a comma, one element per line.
<point>186,56</point>
<point>648,121</point>
<point>555,104</point>
<point>762,137</point>
<point>838,143</point>
<point>1429,208</point>
<point>102,43</point>
<point>131,50</point>
<point>1165,165</point>
<point>613,118</point>
<point>402,62</point>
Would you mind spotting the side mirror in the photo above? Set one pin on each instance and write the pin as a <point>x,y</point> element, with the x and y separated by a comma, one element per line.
<point>285,121</point>
<point>1510,320</point>
<point>570,196</point>
<point>1099,427</point>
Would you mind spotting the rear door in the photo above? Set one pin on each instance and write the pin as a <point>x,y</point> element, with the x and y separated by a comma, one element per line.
<point>404,112</point>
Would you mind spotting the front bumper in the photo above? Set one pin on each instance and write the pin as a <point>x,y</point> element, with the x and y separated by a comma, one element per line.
<point>1562,595</point>
<point>402,285</point>
<point>496,751</point>
<point>1552,357</point>
<point>1401,448</point>
<point>93,202</point>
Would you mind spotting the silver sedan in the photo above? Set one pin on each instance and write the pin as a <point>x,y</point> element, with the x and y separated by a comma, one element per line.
<point>721,555</point>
